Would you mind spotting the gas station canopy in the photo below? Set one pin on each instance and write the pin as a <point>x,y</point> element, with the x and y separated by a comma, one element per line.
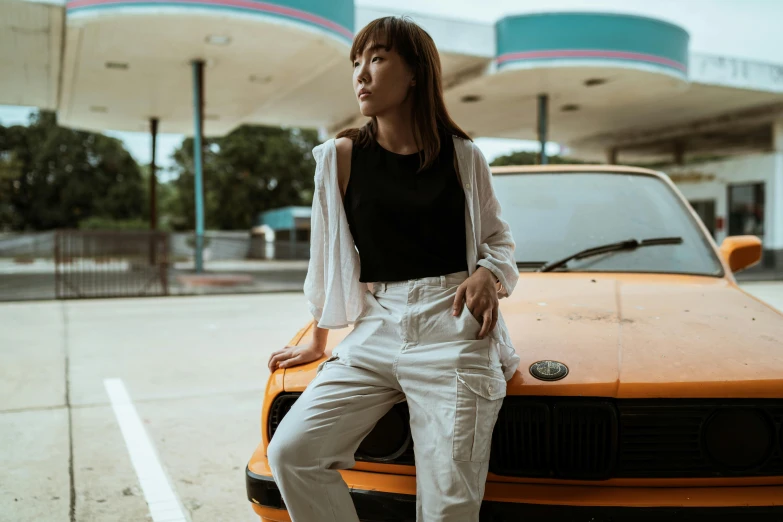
<point>126,62</point>
<point>611,82</point>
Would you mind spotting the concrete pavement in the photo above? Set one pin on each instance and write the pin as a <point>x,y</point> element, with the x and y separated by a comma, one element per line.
<point>195,368</point>
<point>769,292</point>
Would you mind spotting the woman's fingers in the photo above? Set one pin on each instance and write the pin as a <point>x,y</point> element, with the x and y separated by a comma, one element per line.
<point>485,319</point>
<point>280,356</point>
<point>293,361</point>
<point>273,363</point>
<point>458,298</point>
<point>275,354</point>
<point>294,355</point>
<point>488,319</point>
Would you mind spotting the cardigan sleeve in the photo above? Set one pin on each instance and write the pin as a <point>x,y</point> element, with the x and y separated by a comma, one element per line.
<point>315,281</point>
<point>334,293</point>
<point>496,243</point>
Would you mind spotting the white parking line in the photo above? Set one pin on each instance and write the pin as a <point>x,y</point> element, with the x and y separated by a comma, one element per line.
<point>162,501</point>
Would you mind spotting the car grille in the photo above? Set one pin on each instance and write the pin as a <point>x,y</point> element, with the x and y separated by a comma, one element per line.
<point>521,440</point>
<point>596,438</point>
<point>280,407</point>
<point>662,438</point>
<point>550,438</point>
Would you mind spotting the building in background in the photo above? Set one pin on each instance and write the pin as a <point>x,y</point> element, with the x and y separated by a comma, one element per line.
<point>290,227</point>
<point>609,87</point>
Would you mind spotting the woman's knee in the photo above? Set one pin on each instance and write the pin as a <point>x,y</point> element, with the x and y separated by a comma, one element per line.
<point>284,452</point>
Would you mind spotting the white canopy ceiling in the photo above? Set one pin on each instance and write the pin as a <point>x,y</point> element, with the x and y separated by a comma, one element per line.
<point>116,70</point>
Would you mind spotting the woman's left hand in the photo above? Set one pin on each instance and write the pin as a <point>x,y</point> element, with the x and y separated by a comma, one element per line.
<point>480,293</point>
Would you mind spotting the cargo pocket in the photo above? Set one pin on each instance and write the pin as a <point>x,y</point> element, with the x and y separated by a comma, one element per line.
<point>479,397</point>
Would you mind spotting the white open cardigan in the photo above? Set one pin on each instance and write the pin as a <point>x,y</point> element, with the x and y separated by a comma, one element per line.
<point>332,286</point>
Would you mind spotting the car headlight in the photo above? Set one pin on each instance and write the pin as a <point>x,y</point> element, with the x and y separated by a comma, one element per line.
<point>389,438</point>
<point>738,438</point>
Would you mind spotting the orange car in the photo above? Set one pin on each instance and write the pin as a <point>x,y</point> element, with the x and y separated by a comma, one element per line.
<point>650,387</point>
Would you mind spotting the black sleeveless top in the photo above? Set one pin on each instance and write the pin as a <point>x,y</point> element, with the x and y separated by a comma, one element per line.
<point>406,224</point>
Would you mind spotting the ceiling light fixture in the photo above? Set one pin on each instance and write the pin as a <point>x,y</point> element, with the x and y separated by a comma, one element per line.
<point>592,82</point>
<point>471,98</point>
<point>216,39</point>
<point>117,65</point>
<point>570,107</point>
<point>260,79</point>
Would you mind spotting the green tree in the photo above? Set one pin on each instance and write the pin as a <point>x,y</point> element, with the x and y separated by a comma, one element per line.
<point>54,177</point>
<point>531,158</point>
<point>250,170</point>
<point>167,199</point>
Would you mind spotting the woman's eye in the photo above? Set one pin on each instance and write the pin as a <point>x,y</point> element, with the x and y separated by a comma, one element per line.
<point>355,64</point>
<point>378,58</point>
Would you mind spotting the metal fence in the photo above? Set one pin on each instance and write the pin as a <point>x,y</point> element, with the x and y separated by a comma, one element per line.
<point>110,264</point>
<point>72,264</point>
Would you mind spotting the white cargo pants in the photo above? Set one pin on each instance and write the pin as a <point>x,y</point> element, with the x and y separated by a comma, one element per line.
<point>405,346</point>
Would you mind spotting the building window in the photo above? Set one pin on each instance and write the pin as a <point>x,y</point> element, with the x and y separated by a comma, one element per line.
<point>706,210</point>
<point>746,209</point>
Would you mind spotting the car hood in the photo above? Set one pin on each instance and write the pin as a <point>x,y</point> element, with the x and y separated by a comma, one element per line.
<point>632,336</point>
<point>644,336</point>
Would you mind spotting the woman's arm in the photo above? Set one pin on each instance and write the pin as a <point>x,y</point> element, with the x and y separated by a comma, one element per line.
<point>344,148</point>
<point>496,245</point>
<point>315,281</point>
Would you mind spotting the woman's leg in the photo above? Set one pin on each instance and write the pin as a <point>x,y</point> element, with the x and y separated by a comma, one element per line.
<point>451,427</point>
<point>454,387</point>
<point>320,435</point>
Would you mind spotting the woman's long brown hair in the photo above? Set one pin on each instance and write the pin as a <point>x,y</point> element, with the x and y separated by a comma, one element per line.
<point>429,110</point>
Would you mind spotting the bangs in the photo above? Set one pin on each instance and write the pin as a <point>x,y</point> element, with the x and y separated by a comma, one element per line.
<point>383,30</point>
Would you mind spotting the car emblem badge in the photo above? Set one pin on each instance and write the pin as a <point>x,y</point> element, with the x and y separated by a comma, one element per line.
<point>548,370</point>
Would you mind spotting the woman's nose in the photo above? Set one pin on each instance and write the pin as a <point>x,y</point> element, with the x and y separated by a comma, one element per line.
<point>362,74</point>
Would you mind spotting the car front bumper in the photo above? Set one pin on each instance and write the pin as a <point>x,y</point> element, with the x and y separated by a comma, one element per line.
<point>378,506</point>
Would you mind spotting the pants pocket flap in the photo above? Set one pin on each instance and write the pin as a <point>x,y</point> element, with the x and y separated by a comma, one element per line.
<point>487,385</point>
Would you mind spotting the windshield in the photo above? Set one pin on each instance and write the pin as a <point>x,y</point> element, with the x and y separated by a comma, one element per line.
<point>553,215</point>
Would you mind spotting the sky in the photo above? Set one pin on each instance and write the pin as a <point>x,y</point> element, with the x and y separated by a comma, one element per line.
<point>748,29</point>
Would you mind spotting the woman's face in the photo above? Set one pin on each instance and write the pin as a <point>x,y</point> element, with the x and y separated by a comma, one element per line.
<point>381,80</point>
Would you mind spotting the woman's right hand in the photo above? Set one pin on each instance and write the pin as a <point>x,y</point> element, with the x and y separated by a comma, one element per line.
<point>295,355</point>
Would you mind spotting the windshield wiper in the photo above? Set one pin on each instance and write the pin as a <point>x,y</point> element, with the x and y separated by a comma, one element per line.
<point>530,264</point>
<point>628,244</point>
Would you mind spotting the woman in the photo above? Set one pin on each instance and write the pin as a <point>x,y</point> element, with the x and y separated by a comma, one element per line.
<point>410,195</point>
